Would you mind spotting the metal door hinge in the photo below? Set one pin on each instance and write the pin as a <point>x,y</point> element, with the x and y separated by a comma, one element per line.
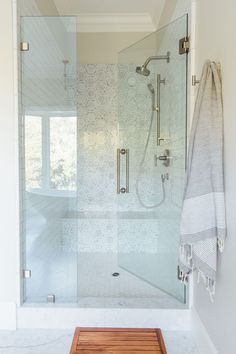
<point>26,273</point>
<point>184,45</point>
<point>51,298</point>
<point>24,46</point>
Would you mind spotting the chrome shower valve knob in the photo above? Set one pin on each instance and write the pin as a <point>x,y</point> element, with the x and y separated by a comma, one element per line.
<point>165,158</point>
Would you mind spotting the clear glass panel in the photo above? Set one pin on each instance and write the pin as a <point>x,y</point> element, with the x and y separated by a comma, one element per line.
<point>48,160</point>
<point>33,152</point>
<point>149,215</point>
<point>62,153</point>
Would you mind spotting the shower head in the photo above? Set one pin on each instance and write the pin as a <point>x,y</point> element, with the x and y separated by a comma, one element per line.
<point>151,88</point>
<point>142,70</point>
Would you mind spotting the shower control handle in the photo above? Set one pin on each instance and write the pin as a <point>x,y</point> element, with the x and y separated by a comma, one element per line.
<point>165,158</point>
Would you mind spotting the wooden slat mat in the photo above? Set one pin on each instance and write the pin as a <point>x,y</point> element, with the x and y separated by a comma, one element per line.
<point>117,341</point>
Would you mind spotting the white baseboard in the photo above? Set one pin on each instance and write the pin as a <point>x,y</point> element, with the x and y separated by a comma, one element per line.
<point>204,342</point>
<point>66,318</point>
<point>8,316</point>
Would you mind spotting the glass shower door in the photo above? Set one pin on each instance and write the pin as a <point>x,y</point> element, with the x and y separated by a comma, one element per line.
<point>151,157</point>
<point>48,149</point>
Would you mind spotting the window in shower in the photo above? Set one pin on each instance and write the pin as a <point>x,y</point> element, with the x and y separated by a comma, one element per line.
<point>63,152</point>
<point>50,152</point>
<point>33,152</point>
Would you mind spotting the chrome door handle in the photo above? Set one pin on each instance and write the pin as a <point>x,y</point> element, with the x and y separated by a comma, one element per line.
<point>126,153</point>
<point>118,172</point>
<point>127,170</point>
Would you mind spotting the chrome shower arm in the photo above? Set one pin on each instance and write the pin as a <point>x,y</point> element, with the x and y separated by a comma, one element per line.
<point>157,57</point>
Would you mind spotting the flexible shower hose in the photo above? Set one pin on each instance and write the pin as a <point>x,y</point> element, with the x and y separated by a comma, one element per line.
<point>144,205</point>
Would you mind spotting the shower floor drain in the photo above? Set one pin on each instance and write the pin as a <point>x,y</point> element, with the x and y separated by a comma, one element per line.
<point>116,274</point>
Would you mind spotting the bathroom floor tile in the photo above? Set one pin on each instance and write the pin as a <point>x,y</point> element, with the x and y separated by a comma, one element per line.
<point>59,342</point>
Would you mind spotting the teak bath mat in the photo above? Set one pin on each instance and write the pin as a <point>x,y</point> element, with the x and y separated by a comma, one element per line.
<point>117,341</point>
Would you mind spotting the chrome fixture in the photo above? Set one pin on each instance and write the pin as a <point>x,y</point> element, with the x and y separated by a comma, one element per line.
<point>165,158</point>
<point>142,70</point>
<point>184,45</point>
<point>65,62</point>
<point>158,110</point>
<point>24,46</point>
<point>51,298</point>
<point>140,171</point>
<point>151,88</point>
<point>26,273</point>
<point>126,153</point>
<point>156,107</point>
<point>194,80</point>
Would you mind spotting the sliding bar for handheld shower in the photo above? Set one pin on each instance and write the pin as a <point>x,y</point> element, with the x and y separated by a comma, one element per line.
<point>158,108</point>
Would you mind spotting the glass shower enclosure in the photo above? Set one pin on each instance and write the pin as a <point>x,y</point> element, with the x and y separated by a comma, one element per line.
<point>48,158</point>
<point>101,172</point>
<point>152,77</point>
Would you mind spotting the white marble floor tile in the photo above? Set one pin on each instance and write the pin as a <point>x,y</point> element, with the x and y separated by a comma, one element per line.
<point>179,342</point>
<point>35,342</point>
<point>59,342</point>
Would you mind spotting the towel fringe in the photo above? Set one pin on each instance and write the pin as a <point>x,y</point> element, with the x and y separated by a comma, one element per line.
<point>221,244</point>
<point>183,277</point>
<point>210,287</point>
<point>186,257</point>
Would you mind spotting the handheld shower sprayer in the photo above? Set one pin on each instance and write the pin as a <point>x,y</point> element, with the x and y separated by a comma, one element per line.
<point>152,91</point>
<point>151,88</point>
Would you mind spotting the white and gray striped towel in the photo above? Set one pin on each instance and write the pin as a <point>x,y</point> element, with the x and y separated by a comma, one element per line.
<point>203,227</point>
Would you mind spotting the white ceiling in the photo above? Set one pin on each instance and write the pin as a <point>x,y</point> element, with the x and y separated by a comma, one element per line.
<point>111,11</point>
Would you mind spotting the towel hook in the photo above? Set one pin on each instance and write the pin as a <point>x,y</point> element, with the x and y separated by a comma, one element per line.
<point>194,80</point>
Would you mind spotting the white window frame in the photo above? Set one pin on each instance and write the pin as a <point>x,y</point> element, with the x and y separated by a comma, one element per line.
<point>46,170</point>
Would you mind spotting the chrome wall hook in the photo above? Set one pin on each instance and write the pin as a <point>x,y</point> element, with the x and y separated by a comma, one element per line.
<point>194,80</point>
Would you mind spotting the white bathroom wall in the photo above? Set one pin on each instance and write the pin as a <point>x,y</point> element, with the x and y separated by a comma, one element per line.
<point>215,27</point>
<point>215,41</point>
<point>37,7</point>
<point>103,48</point>
<point>174,9</point>
<point>8,179</point>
